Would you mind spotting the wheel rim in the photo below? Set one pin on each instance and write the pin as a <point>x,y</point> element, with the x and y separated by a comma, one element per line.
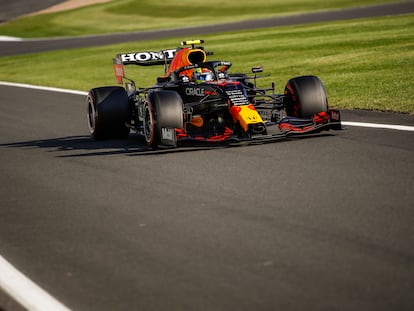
<point>91,115</point>
<point>148,125</point>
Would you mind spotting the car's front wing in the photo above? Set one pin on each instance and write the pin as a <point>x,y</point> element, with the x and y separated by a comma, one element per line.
<point>285,128</point>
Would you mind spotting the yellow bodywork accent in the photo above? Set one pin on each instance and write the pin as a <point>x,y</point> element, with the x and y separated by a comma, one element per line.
<point>248,115</point>
<point>189,42</point>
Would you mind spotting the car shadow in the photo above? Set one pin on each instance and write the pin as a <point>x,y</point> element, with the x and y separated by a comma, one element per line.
<point>85,146</point>
<point>134,145</point>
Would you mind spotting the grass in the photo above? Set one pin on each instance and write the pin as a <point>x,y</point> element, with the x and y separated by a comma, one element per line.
<point>365,64</point>
<point>138,15</point>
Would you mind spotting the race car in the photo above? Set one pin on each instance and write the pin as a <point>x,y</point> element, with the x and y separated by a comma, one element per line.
<point>197,100</point>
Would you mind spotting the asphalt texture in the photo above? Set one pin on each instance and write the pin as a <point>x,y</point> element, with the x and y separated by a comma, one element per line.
<point>321,223</point>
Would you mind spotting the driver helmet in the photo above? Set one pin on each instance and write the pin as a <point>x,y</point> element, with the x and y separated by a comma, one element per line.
<point>203,75</point>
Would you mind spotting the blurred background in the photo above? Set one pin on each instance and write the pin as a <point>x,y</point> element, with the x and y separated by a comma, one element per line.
<point>12,9</point>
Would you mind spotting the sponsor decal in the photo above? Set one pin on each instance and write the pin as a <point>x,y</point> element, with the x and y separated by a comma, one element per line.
<point>335,115</point>
<point>147,57</point>
<point>167,133</point>
<point>212,93</point>
<point>195,91</point>
<point>237,97</point>
<point>119,72</point>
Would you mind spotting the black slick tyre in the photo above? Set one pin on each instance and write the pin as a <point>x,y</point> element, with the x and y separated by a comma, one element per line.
<point>306,96</point>
<point>108,112</point>
<point>162,110</point>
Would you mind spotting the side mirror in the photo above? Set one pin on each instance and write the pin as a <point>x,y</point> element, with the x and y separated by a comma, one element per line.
<point>257,69</point>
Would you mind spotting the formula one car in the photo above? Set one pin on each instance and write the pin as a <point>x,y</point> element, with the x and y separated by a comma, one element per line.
<point>200,101</point>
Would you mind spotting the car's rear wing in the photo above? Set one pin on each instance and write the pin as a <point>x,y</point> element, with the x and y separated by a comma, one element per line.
<point>147,58</point>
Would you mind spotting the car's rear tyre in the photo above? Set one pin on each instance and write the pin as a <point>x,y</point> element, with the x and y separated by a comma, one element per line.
<point>306,96</point>
<point>107,112</point>
<point>162,110</point>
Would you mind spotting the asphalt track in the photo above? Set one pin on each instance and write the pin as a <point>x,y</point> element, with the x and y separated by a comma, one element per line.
<point>322,223</point>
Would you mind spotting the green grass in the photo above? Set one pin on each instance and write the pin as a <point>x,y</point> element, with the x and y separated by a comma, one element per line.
<point>365,64</point>
<point>139,15</point>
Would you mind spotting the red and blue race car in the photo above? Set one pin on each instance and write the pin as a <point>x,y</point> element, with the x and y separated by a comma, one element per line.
<point>199,101</point>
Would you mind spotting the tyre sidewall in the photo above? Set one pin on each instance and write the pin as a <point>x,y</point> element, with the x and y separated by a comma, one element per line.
<point>108,112</point>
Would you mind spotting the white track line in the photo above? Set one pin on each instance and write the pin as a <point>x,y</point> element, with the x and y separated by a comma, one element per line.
<point>24,291</point>
<point>32,296</point>
<point>42,88</point>
<point>10,39</point>
<point>380,126</point>
<point>347,123</point>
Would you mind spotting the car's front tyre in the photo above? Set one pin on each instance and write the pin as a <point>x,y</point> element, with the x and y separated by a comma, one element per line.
<point>306,96</point>
<point>163,112</point>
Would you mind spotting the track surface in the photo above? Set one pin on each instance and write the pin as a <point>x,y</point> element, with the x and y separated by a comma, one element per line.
<point>323,223</point>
